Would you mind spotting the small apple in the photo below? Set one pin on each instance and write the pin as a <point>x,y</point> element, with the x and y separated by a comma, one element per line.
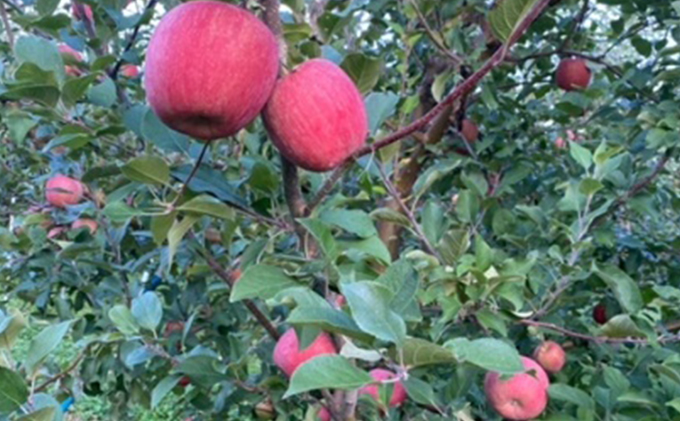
<point>288,356</point>
<point>62,191</point>
<point>184,381</point>
<point>210,68</point>
<point>573,74</point>
<point>469,131</point>
<point>523,396</point>
<point>560,143</point>
<point>550,356</point>
<point>324,414</point>
<point>316,116</point>
<point>600,314</point>
<point>398,392</point>
<point>71,57</point>
<point>130,71</point>
<point>85,223</point>
<point>55,232</point>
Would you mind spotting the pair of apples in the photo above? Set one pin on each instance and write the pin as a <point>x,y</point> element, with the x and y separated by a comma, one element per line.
<point>211,68</point>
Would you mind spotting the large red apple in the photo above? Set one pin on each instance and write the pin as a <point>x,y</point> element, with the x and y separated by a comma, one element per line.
<point>85,223</point>
<point>288,356</point>
<point>398,392</point>
<point>62,191</point>
<point>316,116</point>
<point>550,356</point>
<point>469,131</point>
<point>523,396</point>
<point>572,74</point>
<point>210,68</point>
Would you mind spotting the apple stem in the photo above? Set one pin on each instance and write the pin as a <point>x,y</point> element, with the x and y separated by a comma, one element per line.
<point>193,172</point>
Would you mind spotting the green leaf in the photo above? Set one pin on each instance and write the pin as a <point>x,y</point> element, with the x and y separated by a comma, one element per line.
<point>453,245</point>
<point>13,390</point>
<point>625,289</point>
<point>323,236</point>
<point>177,233</point>
<point>380,107</point>
<point>570,394</point>
<point>120,212</point>
<point>204,370</point>
<point>432,220</point>
<point>467,207</point>
<point>74,89</point>
<point>590,186</point>
<point>162,389</point>
<point>373,246</point>
<point>327,372</point>
<point>419,352</point>
<point>390,215</point>
<point>44,414</point>
<point>10,327</point>
<point>208,180</point>
<point>327,319</point>
<point>507,15</point>
<point>355,221</point>
<point>487,353</point>
<point>46,7</point>
<point>160,226</point>
<point>152,129</point>
<point>40,52</point>
<point>421,392</point>
<point>261,281</point>
<point>581,155</point>
<point>147,310</point>
<point>207,205</point>
<point>402,279</point>
<point>370,304</point>
<point>44,343</point>
<point>103,94</point>
<point>147,170</point>
<point>364,70</point>
<point>123,319</point>
<point>621,326</point>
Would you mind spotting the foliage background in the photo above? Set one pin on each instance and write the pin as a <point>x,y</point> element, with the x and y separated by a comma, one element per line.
<point>507,241</point>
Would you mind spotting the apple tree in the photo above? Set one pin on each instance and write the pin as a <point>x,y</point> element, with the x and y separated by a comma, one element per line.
<point>346,210</point>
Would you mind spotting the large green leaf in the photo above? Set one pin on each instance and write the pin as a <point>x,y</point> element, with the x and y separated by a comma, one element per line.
<point>261,281</point>
<point>44,343</point>
<point>506,16</point>
<point>487,353</point>
<point>370,304</point>
<point>13,390</point>
<point>148,170</point>
<point>625,289</point>
<point>327,372</point>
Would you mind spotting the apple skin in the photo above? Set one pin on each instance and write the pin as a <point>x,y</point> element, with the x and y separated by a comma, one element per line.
<point>316,116</point>
<point>521,397</point>
<point>398,392</point>
<point>288,356</point>
<point>469,131</point>
<point>573,74</point>
<point>600,314</point>
<point>210,68</point>
<point>62,191</point>
<point>550,356</point>
<point>72,55</point>
<point>560,143</point>
<point>324,414</point>
<point>90,224</point>
<point>55,232</point>
<point>130,71</point>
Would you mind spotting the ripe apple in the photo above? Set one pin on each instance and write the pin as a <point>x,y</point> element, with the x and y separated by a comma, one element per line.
<point>288,356</point>
<point>560,143</point>
<point>130,71</point>
<point>398,392</point>
<point>316,116</point>
<point>55,232</point>
<point>184,381</point>
<point>600,314</point>
<point>573,74</point>
<point>210,68</point>
<point>523,396</point>
<point>550,356</point>
<point>90,224</point>
<point>62,191</point>
<point>469,131</point>
<point>324,414</point>
<point>71,56</point>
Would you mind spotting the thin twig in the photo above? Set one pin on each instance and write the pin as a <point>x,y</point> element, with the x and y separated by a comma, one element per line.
<point>13,6</point>
<point>327,186</point>
<point>8,27</point>
<point>575,24</point>
<point>66,372</point>
<point>598,339</point>
<point>113,74</point>
<point>411,217</point>
<point>193,172</point>
<point>436,39</point>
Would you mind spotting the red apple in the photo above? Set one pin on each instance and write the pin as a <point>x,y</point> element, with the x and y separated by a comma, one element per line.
<point>130,71</point>
<point>90,224</point>
<point>62,191</point>
<point>172,327</point>
<point>398,392</point>
<point>184,381</point>
<point>210,68</point>
<point>316,116</point>
<point>71,56</point>
<point>288,356</point>
<point>560,143</point>
<point>573,74</point>
<point>79,16</point>
<point>324,414</point>
<point>600,314</point>
<point>523,396</point>
<point>550,356</point>
<point>55,232</point>
<point>469,131</point>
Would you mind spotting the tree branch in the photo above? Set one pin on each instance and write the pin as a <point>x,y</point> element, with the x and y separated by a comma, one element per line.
<point>598,339</point>
<point>436,39</point>
<point>113,74</point>
<point>8,27</point>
